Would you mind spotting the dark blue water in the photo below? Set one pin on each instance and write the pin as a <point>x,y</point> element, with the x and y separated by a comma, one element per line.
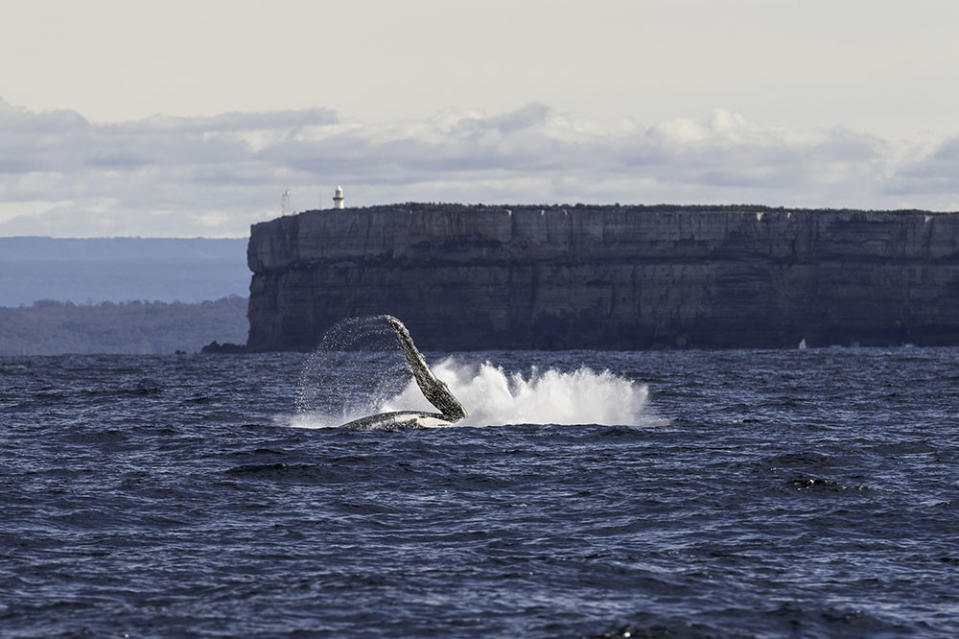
<point>760,494</point>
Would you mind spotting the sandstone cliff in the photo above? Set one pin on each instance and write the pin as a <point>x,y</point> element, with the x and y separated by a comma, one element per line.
<point>477,277</point>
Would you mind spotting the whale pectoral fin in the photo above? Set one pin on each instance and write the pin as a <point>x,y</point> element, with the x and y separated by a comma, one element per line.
<point>435,391</point>
<point>398,420</point>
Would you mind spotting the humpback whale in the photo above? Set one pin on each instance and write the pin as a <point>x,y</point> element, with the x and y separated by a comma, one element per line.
<point>435,391</point>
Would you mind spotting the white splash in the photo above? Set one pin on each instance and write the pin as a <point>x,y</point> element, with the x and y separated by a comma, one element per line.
<point>495,398</point>
<point>319,419</point>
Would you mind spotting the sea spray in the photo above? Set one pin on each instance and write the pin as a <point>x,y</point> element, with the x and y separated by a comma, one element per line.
<point>355,368</point>
<point>494,396</point>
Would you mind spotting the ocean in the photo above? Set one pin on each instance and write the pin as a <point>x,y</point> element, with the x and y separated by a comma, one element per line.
<point>801,493</point>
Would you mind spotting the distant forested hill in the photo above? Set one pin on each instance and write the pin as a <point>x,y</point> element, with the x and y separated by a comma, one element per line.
<point>91,270</point>
<point>52,328</point>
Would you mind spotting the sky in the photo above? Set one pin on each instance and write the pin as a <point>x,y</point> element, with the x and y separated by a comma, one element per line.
<point>183,119</point>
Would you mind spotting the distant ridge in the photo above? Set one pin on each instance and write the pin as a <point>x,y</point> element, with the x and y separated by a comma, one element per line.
<point>93,270</point>
<point>142,328</point>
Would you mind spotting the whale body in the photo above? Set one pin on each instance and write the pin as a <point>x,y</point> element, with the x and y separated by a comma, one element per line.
<point>435,391</point>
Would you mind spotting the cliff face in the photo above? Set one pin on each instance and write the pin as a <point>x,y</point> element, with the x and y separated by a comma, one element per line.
<point>608,277</point>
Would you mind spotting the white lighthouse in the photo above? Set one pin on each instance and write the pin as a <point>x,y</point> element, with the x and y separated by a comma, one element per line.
<point>338,198</point>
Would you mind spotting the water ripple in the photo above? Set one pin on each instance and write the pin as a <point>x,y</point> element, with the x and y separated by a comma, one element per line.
<point>774,494</point>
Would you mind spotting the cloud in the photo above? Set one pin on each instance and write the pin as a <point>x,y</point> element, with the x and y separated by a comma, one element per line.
<point>931,174</point>
<point>61,174</point>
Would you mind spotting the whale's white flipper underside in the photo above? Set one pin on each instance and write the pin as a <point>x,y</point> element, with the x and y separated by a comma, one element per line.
<point>399,420</point>
<point>435,391</point>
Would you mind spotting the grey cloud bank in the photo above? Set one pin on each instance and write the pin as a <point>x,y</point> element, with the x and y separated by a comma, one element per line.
<point>63,175</point>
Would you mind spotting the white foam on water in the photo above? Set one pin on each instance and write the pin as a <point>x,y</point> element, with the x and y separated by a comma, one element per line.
<point>493,397</point>
<point>319,419</point>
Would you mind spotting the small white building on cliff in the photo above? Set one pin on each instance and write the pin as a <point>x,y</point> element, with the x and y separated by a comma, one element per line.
<point>338,198</point>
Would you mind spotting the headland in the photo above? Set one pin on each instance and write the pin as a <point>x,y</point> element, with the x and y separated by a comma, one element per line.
<point>471,277</point>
